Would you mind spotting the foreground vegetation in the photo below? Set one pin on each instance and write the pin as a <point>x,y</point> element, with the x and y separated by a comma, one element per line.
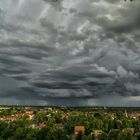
<point>68,124</point>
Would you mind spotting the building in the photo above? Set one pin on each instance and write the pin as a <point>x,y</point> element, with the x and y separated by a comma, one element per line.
<point>42,124</point>
<point>129,131</point>
<point>97,133</point>
<point>79,129</point>
<point>29,112</point>
<point>59,126</point>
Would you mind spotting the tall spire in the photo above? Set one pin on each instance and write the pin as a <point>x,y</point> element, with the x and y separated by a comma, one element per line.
<point>126,115</point>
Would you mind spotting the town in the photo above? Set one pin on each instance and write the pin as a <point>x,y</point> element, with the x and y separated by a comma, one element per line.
<point>32,123</point>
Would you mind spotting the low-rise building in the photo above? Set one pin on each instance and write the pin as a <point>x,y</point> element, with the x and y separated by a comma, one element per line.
<point>129,131</point>
<point>97,133</point>
<point>59,126</point>
<point>42,124</point>
<point>79,129</point>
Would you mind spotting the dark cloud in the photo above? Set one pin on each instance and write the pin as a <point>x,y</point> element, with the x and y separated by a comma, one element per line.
<point>69,53</point>
<point>123,19</point>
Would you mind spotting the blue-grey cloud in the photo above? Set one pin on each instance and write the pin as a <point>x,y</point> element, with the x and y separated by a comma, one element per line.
<point>69,53</point>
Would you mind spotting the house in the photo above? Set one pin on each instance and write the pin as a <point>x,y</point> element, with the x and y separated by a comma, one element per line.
<point>129,131</point>
<point>30,115</point>
<point>29,112</point>
<point>97,133</point>
<point>59,126</point>
<point>79,129</point>
<point>137,134</point>
<point>42,124</point>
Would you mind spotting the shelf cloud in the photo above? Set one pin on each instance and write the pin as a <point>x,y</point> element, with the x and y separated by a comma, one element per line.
<point>68,52</point>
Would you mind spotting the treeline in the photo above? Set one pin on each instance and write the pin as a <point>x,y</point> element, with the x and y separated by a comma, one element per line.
<point>60,125</point>
<point>21,130</point>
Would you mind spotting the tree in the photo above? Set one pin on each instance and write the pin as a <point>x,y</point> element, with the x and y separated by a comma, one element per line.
<point>52,134</point>
<point>31,135</point>
<point>99,123</point>
<point>6,133</point>
<point>89,137</point>
<point>3,125</point>
<point>42,134</point>
<point>58,134</point>
<point>113,133</point>
<point>19,134</point>
<point>79,135</point>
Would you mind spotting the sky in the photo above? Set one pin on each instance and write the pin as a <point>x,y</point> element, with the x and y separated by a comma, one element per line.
<point>70,52</point>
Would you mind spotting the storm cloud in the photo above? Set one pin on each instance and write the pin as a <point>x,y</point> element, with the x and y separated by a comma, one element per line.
<point>64,52</point>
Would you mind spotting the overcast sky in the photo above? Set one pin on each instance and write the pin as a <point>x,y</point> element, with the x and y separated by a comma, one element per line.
<point>70,52</point>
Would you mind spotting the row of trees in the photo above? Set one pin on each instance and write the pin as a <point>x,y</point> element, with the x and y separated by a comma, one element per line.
<point>21,130</point>
<point>10,111</point>
<point>113,128</point>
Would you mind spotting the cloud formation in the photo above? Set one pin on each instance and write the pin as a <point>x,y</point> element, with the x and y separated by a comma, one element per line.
<point>69,53</point>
